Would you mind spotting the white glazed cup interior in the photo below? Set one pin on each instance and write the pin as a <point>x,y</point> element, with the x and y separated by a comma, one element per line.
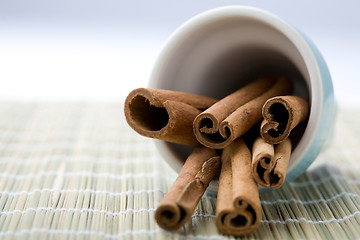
<point>217,52</point>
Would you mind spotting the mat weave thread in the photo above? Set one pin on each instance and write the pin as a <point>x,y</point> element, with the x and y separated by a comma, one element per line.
<point>77,171</point>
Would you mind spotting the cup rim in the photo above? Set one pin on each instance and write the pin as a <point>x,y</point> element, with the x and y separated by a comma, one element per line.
<point>294,36</point>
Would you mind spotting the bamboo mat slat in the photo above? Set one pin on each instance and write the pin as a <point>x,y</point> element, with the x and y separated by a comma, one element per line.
<point>77,171</point>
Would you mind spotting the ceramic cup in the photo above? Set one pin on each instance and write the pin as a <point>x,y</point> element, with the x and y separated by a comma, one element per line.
<point>220,50</point>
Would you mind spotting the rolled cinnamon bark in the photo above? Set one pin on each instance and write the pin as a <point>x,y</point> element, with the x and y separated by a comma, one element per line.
<point>269,164</point>
<point>238,203</point>
<point>178,205</point>
<point>282,114</point>
<point>163,114</point>
<point>218,132</point>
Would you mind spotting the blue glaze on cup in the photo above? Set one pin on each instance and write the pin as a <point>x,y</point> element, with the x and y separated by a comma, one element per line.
<point>327,116</point>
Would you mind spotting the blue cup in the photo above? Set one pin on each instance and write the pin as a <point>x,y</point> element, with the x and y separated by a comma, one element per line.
<point>220,50</point>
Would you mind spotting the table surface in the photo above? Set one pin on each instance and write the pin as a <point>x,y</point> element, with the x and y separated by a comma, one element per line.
<point>76,170</point>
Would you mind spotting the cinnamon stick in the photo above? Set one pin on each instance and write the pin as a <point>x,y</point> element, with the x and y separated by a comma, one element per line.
<point>214,128</point>
<point>238,204</point>
<point>282,114</point>
<point>180,202</point>
<point>269,163</point>
<point>163,114</point>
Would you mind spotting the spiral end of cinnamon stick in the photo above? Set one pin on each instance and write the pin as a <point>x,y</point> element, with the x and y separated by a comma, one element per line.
<point>210,133</point>
<point>260,169</point>
<point>268,177</point>
<point>170,217</point>
<point>281,115</point>
<point>152,114</point>
<point>144,114</point>
<point>269,163</point>
<point>243,220</point>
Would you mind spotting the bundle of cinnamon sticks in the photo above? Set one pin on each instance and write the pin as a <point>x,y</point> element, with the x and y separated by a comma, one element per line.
<point>247,137</point>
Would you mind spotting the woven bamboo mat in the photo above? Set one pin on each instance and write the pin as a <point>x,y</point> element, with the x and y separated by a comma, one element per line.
<point>76,170</point>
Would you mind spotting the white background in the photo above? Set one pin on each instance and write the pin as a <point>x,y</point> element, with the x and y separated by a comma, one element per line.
<point>101,50</point>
